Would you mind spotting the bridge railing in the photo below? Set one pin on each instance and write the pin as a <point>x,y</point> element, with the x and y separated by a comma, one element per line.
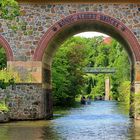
<point>99,70</point>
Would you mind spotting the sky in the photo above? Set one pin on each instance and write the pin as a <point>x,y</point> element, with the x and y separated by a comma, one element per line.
<point>91,34</point>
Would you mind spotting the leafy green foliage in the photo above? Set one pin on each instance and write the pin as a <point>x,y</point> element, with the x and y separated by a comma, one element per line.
<point>76,53</point>
<point>122,65</point>
<point>99,89</point>
<point>67,71</point>
<point>136,104</point>
<point>124,92</point>
<point>9,9</point>
<point>2,58</point>
<point>3,106</point>
<point>90,85</point>
<point>8,78</point>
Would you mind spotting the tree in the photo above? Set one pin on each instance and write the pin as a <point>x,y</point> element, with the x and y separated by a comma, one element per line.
<point>77,53</point>
<point>67,70</point>
<point>90,85</point>
<point>59,77</point>
<point>9,9</point>
<point>2,58</point>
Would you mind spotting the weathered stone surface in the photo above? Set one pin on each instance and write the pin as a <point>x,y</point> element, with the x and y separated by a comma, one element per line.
<point>29,71</point>
<point>79,1</point>
<point>25,102</point>
<point>4,116</point>
<point>35,20</point>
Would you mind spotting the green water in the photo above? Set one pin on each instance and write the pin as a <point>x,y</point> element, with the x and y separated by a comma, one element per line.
<point>102,120</point>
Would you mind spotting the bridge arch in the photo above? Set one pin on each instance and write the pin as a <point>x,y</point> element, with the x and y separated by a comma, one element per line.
<point>6,46</point>
<point>87,21</point>
<point>81,22</point>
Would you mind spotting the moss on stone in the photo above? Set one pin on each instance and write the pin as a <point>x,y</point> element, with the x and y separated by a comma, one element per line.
<point>3,107</point>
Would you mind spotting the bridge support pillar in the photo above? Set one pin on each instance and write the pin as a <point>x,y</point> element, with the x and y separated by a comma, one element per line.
<point>47,87</point>
<point>135,94</point>
<point>31,97</point>
<point>107,88</point>
<point>135,101</point>
<point>48,103</point>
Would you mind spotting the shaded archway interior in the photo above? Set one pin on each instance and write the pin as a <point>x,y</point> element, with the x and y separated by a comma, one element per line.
<point>84,26</point>
<point>8,50</point>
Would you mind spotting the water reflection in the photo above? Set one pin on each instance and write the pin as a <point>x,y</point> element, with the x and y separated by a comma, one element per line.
<point>29,130</point>
<point>101,120</point>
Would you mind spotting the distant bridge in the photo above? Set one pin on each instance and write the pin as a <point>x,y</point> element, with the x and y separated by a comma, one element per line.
<point>99,70</point>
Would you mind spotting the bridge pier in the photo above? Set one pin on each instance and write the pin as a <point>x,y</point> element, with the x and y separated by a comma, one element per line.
<point>48,111</point>
<point>25,101</point>
<point>135,101</point>
<point>107,88</point>
<point>47,88</point>
<point>32,97</point>
<point>135,95</point>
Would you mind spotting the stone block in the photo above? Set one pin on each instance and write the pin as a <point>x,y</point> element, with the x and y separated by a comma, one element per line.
<point>4,116</point>
<point>29,71</point>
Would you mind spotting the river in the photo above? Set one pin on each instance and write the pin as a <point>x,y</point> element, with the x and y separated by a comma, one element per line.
<point>102,120</point>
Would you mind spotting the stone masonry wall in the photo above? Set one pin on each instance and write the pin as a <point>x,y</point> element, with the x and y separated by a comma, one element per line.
<point>24,33</point>
<point>24,102</point>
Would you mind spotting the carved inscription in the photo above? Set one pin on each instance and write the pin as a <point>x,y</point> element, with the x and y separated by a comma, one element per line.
<point>87,16</point>
<point>66,21</point>
<point>90,16</point>
<point>109,20</point>
<point>71,19</point>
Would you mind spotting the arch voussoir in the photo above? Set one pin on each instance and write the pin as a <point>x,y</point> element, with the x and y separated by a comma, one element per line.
<point>7,48</point>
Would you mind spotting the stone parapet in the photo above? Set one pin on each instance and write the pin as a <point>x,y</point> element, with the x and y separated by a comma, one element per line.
<point>78,1</point>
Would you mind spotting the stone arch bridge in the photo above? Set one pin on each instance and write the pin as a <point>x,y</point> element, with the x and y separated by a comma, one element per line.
<point>31,40</point>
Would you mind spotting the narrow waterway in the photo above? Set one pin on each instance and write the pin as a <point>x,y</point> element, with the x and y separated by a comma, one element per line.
<point>102,120</point>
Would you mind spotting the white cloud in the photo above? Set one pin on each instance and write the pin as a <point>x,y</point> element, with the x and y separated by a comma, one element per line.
<point>90,34</point>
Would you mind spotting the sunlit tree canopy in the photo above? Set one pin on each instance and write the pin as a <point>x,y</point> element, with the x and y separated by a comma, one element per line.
<point>9,9</point>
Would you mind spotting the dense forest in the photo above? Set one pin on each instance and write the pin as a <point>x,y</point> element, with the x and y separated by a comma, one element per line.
<point>70,80</point>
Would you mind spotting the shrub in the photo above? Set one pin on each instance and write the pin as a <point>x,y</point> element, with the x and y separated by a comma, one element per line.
<point>3,106</point>
<point>136,103</point>
<point>124,92</point>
